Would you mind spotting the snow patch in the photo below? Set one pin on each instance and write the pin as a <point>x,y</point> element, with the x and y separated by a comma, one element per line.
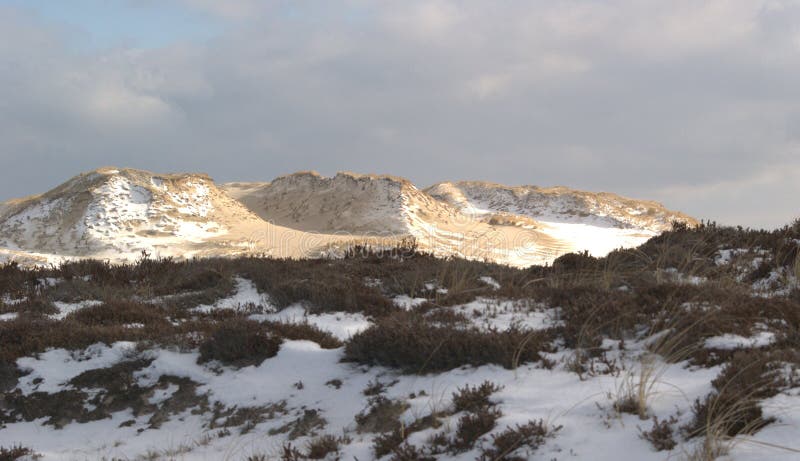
<point>246,294</point>
<point>490,281</point>
<point>489,314</point>
<point>730,341</point>
<point>407,302</point>
<point>52,369</point>
<point>342,325</point>
<point>64,309</point>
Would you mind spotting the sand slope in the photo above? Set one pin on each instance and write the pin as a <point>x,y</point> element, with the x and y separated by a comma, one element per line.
<point>118,214</point>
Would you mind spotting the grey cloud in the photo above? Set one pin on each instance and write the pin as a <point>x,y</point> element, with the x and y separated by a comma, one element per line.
<point>681,101</point>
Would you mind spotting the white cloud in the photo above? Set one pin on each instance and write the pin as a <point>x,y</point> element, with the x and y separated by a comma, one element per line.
<point>433,19</point>
<point>547,69</point>
<point>489,85</point>
<point>231,9</point>
<point>120,105</point>
<point>756,194</point>
<point>686,27</point>
<point>634,96</point>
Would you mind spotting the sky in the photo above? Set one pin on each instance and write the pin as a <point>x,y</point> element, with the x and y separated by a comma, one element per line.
<point>692,103</point>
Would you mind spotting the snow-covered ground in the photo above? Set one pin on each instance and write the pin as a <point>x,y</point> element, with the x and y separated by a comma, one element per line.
<point>343,325</point>
<point>246,295</point>
<point>303,378</point>
<point>597,240</point>
<point>583,408</point>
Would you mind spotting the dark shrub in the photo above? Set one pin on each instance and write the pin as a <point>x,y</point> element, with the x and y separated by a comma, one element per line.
<point>753,373</point>
<point>474,398</point>
<point>472,426</point>
<point>389,442</point>
<point>733,407</point>
<point>116,384</point>
<point>306,331</point>
<point>721,412</point>
<point>304,425</point>
<point>239,343</point>
<point>376,387</point>
<point>589,314</point>
<point>321,447</point>
<point>59,408</point>
<point>383,415</point>
<point>15,452</point>
<point>392,441</point>
<point>760,272</point>
<point>576,262</point>
<point>406,452</point>
<point>9,376</point>
<point>794,295</point>
<point>15,281</point>
<point>530,436</point>
<point>289,453</point>
<point>323,285</point>
<point>35,306</point>
<point>199,279</point>
<point>407,341</point>
<point>119,313</point>
<point>26,336</point>
<point>661,435</point>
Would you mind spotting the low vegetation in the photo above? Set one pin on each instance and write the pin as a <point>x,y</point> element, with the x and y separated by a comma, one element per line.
<point>239,343</point>
<point>515,444</point>
<point>677,294</point>
<point>407,340</point>
<point>16,452</point>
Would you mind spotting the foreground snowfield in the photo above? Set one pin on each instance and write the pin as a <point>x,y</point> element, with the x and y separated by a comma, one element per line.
<point>591,430</point>
<point>302,377</point>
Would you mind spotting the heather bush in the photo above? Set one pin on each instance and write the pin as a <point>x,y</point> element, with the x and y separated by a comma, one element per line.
<point>407,341</point>
<point>526,437</point>
<point>239,343</point>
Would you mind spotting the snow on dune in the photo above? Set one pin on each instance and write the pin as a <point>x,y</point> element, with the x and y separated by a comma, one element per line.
<point>116,214</point>
<point>125,213</point>
<point>597,240</point>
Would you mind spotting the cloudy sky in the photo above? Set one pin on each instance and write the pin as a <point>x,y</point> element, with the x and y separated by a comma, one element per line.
<point>692,103</point>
